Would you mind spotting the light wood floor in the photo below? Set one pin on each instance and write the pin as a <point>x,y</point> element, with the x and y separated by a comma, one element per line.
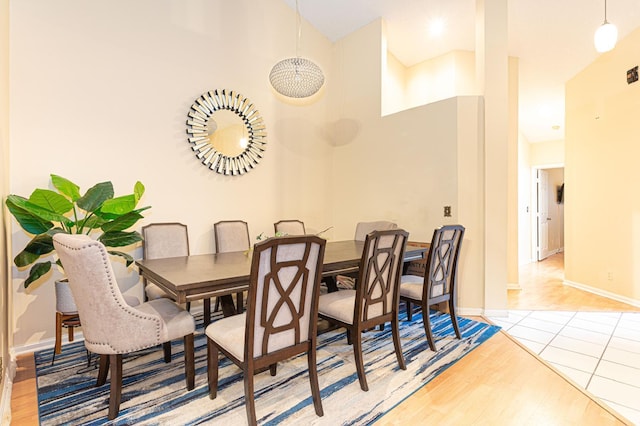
<point>499,383</point>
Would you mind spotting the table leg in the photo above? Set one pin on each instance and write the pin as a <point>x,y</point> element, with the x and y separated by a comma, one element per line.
<point>206,320</point>
<point>228,307</point>
<point>331,283</point>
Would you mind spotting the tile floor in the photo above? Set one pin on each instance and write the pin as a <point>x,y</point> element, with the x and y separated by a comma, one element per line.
<point>599,351</point>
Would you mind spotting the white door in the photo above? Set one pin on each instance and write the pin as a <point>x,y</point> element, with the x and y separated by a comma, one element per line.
<point>543,214</point>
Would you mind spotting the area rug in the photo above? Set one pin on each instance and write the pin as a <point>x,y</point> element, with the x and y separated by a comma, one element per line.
<point>155,393</point>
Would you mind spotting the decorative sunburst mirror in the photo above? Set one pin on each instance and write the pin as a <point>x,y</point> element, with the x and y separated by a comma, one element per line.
<point>226,132</point>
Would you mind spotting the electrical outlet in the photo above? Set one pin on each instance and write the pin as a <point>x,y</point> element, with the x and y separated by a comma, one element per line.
<point>447,211</point>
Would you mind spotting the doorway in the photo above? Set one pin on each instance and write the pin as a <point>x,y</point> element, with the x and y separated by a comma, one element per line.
<point>548,231</point>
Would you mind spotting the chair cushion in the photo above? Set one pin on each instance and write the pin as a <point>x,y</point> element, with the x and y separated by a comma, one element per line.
<point>411,287</point>
<point>131,300</point>
<point>228,333</point>
<point>154,292</point>
<point>177,321</point>
<point>338,305</point>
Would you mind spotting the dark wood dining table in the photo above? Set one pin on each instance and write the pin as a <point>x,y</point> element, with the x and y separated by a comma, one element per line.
<point>202,276</point>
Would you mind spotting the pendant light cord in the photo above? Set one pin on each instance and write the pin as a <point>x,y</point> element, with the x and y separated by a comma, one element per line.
<point>298,29</point>
<point>605,11</point>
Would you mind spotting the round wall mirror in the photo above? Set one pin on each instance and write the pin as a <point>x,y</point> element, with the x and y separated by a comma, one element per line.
<point>226,132</point>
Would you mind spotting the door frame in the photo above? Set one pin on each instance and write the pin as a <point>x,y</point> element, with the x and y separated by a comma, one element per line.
<point>533,217</point>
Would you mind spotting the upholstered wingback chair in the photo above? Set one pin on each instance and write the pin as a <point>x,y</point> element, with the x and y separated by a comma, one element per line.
<point>110,326</point>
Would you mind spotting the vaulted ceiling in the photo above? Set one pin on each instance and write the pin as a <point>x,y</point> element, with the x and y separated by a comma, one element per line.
<point>553,40</point>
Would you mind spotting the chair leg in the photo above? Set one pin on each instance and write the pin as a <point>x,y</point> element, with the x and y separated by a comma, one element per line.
<point>454,319</point>
<point>427,327</point>
<point>207,311</point>
<point>116,385</point>
<point>313,378</point>
<point>357,353</point>
<point>249,397</point>
<point>58,346</point>
<point>349,337</point>
<point>395,330</point>
<point>239,302</point>
<point>212,368</point>
<point>103,370</point>
<point>189,362</point>
<point>166,348</point>
<point>70,334</point>
<point>273,368</point>
<point>409,311</point>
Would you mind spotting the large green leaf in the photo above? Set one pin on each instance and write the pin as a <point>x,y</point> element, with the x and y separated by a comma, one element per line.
<point>120,205</point>
<point>42,213</point>
<point>138,190</point>
<point>51,200</point>
<point>122,222</point>
<point>28,221</point>
<point>66,187</point>
<point>96,196</point>
<point>25,258</point>
<point>38,270</point>
<point>119,238</point>
<point>40,244</point>
<point>92,222</point>
<point>126,256</point>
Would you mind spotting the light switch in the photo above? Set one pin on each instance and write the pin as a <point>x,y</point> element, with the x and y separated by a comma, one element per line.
<point>447,211</point>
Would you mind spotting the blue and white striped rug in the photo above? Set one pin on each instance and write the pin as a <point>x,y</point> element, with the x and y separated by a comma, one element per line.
<point>155,393</point>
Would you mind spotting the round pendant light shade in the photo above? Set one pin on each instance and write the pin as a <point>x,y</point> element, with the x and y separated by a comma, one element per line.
<point>606,37</point>
<point>296,77</point>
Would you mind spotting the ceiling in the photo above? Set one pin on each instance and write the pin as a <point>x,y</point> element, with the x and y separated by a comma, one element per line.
<point>553,40</point>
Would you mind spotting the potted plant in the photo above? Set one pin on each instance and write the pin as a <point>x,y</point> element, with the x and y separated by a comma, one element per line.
<point>47,212</point>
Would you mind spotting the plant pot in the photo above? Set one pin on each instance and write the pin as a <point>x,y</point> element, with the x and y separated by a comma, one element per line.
<point>64,299</point>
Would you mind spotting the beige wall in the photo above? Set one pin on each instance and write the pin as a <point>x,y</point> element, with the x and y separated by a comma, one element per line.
<point>602,210</point>
<point>549,153</point>
<point>93,103</point>
<point>117,102</point>
<point>4,185</point>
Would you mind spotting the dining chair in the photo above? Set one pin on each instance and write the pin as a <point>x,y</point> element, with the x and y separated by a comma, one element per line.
<point>374,301</point>
<point>289,227</point>
<point>439,283</point>
<point>348,281</point>
<point>232,235</point>
<point>281,318</point>
<point>162,240</point>
<point>110,326</point>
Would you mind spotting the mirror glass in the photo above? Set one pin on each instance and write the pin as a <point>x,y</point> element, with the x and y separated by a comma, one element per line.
<point>226,132</point>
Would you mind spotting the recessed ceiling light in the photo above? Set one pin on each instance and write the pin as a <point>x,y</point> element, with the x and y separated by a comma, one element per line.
<point>436,27</point>
<point>555,127</point>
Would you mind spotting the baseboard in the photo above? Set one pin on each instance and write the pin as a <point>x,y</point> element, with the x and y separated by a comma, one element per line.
<point>603,293</point>
<point>496,313</point>
<point>514,286</point>
<point>469,312</point>
<point>7,387</point>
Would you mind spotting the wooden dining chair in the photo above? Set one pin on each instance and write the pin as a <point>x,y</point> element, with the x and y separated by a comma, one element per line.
<point>439,283</point>
<point>110,326</point>
<point>374,301</point>
<point>289,227</point>
<point>232,235</point>
<point>348,281</point>
<point>281,318</point>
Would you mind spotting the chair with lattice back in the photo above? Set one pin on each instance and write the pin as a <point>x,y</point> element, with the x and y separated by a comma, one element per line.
<point>439,283</point>
<point>230,236</point>
<point>374,301</point>
<point>281,318</point>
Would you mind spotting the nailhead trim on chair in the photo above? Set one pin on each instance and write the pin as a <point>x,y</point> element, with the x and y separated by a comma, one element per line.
<point>126,308</point>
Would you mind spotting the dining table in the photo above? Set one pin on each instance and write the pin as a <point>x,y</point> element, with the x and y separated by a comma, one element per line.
<point>201,276</point>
